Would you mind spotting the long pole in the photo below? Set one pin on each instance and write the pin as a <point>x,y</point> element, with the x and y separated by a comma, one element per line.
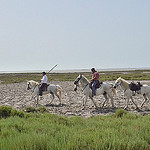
<point>52,68</point>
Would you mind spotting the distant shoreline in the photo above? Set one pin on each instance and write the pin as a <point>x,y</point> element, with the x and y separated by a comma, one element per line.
<point>75,70</point>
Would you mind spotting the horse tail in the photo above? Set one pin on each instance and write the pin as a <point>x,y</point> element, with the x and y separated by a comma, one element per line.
<point>114,91</point>
<point>59,89</point>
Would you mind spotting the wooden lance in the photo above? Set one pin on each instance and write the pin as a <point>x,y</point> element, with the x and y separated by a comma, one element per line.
<point>52,68</point>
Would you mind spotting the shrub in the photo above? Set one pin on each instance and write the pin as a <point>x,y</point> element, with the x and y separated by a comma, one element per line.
<point>30,109</point>
<point>42,109</point>
<point>5,111</point>
<point>119,113</point>
<point>14,112</point>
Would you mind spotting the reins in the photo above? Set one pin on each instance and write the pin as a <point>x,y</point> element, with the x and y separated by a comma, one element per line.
<point>34,88</point>
<point>85,86</point>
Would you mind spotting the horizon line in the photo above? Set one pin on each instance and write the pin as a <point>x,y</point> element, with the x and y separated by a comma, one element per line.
<point>75,70</point>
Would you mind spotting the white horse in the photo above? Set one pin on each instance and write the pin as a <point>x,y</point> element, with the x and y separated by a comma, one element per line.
<point>145,91</point>
<point>51,89</point>
<point>106,89</point>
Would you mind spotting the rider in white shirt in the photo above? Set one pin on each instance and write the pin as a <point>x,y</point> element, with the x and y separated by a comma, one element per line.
<point>43,83</point>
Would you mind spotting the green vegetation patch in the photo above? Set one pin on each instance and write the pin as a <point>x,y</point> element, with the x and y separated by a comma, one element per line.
<point>104,76</point>
<point>40,131</point>
<point>7,111</point>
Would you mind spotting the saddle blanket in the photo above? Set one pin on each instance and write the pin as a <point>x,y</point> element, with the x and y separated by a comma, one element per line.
<point>134,86</point>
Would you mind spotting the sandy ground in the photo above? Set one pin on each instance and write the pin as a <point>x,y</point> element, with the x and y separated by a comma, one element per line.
<point>18,97</point>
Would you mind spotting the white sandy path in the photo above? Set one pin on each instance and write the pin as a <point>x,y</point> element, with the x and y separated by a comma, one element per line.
<point>18,97</point>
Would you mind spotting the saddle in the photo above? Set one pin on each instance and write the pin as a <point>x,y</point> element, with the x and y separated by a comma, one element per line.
<point>45,87</point>
<point>135,86</point>
<point>98,85</point>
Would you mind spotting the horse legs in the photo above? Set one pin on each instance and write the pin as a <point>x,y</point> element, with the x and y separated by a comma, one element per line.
<point>37,100</point>
<point>83,100</point>
<point>145,99</point>
<point>112,100</point>
<point>52,98</point>
<point>93,101</point>
<point>106,99</point>
<point>134,103</point>
<point>127,103</point>
<point>58,98</point>
<point>84,103</point>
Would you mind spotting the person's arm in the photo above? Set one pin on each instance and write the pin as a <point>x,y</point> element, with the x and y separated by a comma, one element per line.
<point>42,79</point>
<point>93,77</point>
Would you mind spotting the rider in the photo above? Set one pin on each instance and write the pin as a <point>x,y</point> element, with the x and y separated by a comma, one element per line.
<point>43,82</point>
<point>94,81</point>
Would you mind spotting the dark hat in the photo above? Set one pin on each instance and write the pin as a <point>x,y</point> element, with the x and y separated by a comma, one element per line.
<point>93,69</point>
<point>44,72</point>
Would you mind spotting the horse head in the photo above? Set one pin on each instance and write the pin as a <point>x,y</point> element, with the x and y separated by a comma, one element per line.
<point>76,82</point>
<point>31,84</point>
<point>117,82</point>
<point>28,85</point>
<point>122,82</point>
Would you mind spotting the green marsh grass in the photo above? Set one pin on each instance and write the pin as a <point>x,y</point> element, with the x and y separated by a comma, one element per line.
<point>45,131</point>
<point>8,78</point>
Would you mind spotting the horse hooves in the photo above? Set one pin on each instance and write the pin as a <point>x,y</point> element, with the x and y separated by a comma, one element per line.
<point>138,109</point>
<point>141,106</point>
<point>113,107</point>
<point>125,108</point>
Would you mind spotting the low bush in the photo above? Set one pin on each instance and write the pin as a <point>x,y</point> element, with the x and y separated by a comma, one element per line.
<point>41,109</point>
<point>30,109</point>
<point>7,111</point>
<point>120,112</point>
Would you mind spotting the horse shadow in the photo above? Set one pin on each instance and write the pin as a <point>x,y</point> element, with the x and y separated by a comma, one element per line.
<point>100,110</point>
<point>55,105</point>
<point>145,112</point>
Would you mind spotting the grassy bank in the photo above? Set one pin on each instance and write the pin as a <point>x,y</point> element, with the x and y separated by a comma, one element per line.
<point>104,76</point>
<point>41,131</point>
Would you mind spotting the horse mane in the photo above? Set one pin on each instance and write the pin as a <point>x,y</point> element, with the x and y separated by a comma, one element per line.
<point>85,79</point>
<point>33,83</point>
<point>122,80</point>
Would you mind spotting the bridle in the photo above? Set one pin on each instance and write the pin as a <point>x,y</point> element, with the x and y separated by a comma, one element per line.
<point>76,82</point>
<point>29,86</point>
<point>117,84</point>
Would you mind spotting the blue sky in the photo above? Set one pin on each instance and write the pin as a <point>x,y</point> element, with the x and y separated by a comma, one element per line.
<point>75,34</point>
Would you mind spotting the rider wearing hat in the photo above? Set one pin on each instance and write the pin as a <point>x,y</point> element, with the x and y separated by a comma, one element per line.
<point>43,83</point>
<point>94,81</point>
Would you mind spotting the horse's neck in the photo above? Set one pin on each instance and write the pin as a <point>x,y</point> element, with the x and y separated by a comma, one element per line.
<point>124,85</point>
<point>36,89</point>
<point>34,84</point>
<point>84,82</point>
